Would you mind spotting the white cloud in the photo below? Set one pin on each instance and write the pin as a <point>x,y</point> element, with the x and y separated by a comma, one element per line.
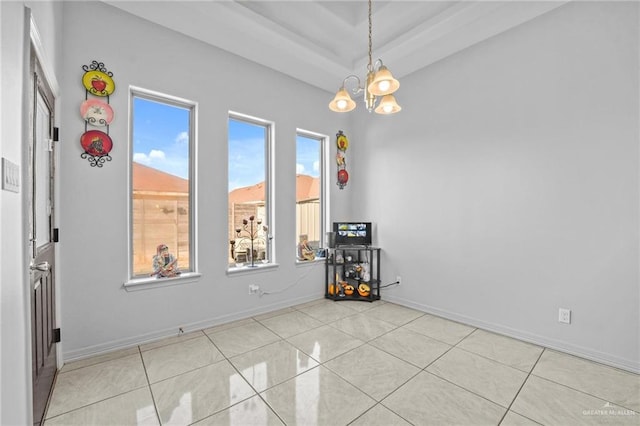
<point>141,158</point>
<point>156,154</point>
<point>183,137</point>
<point>158,159</point>
<point>316,166</point>
<point>299,168</point>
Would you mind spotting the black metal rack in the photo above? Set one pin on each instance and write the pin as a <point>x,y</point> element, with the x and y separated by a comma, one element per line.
<point>349,270</point>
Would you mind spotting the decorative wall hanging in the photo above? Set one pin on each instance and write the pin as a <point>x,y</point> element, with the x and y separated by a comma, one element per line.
<point>97,144</point>
<point>342,143</point>
<point>97,80</point>
<point>96,112</point>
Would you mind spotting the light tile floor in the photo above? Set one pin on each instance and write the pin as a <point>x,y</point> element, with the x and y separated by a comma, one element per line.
<point>338,363</point>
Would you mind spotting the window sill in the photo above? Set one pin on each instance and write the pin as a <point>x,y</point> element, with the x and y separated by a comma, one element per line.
<point>135,284</point>
<point>240,270</point>
<point>310,262</point>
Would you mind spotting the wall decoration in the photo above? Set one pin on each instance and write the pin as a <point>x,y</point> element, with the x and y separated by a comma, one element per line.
<point>342,142</point>
<point>96,112</point>
<point>97,144</point>
<point>97,80</point>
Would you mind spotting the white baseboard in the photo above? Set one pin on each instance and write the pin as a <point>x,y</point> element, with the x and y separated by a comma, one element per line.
<point>129,342</point>
<point>590,354</point>
<point>603,358</point>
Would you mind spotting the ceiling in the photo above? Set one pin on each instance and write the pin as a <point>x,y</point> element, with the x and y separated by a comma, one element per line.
<point>321,42</point>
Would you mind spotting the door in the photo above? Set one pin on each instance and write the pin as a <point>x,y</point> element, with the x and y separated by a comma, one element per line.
<point>42,265</point>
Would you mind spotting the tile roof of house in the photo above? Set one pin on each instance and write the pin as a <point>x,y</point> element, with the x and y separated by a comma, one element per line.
<point>307,189</point>
<point>147,178</point>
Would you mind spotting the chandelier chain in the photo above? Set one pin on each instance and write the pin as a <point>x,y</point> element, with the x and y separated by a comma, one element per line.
<point>378,85</point>
<point>370,66</point>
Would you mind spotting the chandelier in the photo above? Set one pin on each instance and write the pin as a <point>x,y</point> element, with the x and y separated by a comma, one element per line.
<point>380,84</point>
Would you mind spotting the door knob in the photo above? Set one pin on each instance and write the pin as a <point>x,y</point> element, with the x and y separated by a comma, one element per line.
<point>42,266</point>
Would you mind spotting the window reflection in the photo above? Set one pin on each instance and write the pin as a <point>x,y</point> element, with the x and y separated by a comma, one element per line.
<point>250,411</point>
<point>307,393</point>
<point>257,375</point>
<point>146,415</point>
<point>183,413</point>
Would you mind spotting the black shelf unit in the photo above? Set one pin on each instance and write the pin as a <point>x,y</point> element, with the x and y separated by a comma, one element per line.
<point>352,266</point>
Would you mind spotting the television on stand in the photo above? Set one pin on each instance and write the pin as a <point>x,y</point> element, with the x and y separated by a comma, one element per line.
<point>352,233</point>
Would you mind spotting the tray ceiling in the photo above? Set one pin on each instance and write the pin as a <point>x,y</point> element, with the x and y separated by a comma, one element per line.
<point>321,42</point>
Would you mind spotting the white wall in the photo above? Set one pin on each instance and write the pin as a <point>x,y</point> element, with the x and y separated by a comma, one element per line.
<point>510,178</point>
<point>15,337</point>
<point>15,368</point>
<point>98,314</point>
<point>508,185</point>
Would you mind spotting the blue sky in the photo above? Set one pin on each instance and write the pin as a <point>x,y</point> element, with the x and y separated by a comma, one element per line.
<point>246,154</point>
<point>307,156</point>
<point>161,141</point>
<point>161,136</point>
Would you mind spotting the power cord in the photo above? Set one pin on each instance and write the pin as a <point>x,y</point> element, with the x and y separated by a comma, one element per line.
<point>390,284</point>
<point>296,282</point>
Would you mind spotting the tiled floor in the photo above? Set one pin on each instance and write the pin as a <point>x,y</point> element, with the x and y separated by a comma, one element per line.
<point>338,363</point>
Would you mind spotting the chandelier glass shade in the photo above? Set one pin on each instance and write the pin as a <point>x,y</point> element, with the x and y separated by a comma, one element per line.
<point>388,105</point>
<point>342,101</point>
<point>383,82</point>
<point>380,85</point>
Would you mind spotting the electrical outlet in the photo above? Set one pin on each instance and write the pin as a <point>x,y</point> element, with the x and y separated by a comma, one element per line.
<point>399,279</point>
<point>564,315</point>
<point>253,288</point>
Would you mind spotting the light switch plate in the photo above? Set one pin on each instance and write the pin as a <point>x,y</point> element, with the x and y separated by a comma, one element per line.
<point>10,176</point>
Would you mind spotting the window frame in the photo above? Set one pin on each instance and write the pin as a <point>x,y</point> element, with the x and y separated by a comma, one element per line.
<point>324,188</point>
<point>192,275</point>
<point>269,146</point>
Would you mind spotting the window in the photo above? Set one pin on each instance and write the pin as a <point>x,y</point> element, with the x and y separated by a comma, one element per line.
<point>311,202</point>
<point>162,183</point>
<point>249,191</point>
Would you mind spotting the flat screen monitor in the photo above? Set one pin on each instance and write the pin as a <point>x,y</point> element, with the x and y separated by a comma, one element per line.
<point>352,233</point>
